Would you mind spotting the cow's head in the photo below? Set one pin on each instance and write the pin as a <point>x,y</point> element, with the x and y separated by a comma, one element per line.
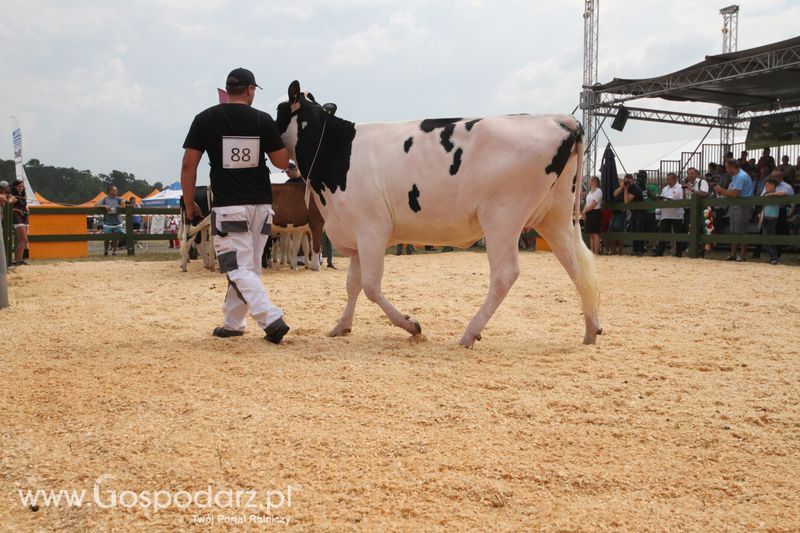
<point>301,116</point>
<point>320,142</point>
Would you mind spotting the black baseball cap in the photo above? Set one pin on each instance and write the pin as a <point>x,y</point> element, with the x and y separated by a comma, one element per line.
<point>241,77</point>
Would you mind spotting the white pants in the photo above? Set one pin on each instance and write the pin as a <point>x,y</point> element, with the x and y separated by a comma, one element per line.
<point>241,232</point>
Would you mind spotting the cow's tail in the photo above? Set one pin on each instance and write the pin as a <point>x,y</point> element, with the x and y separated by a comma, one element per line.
<point>586,277</point>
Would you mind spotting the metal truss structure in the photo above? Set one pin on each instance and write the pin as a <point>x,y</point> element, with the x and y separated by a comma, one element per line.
<point>713,80</point>
<point>591,125</point>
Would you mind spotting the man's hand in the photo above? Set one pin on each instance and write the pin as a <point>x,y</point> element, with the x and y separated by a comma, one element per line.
<point>193,210</point>
<point>718,189</point>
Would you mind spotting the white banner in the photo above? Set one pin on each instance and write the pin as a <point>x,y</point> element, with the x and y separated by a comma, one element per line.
<point>16,134</point>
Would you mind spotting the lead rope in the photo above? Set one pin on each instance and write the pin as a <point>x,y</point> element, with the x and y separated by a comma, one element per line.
<point>307,179</point>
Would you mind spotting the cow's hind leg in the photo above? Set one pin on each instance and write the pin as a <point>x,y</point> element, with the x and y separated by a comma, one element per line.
<point>353,290</point>
<point>501,247</point>
<point>371,255</point>
<point>566,242</point>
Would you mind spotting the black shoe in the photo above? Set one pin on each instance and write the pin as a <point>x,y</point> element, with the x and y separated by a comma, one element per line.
<point>225,333</point>
<point>331,266</point>
<point>105,253</point>
<point>658,254</point>
<point>730,258</point>
<point>276,331</point>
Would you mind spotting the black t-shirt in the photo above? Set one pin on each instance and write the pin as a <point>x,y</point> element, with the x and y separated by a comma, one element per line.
<point>236,136</point>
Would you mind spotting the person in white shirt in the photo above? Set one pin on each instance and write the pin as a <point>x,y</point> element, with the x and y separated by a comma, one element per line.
<point>696,185</point>
<point>591,214</point>
<point>671,217</point>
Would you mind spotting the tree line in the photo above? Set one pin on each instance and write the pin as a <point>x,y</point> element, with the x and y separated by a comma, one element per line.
<point>71,186</point>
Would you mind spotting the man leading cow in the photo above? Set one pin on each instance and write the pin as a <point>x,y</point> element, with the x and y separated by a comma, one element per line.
<point>236,136</point>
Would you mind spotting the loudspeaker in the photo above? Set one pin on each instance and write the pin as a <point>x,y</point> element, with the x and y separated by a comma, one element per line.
<point>621,119</point>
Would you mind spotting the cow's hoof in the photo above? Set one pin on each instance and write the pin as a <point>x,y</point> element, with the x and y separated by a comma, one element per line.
<point>339,332</point>
<point>413,327</point>
<point>589,339</point>
<point>468,340</point>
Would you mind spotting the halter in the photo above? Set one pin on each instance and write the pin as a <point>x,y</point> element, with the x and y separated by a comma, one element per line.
<point>307,179</point>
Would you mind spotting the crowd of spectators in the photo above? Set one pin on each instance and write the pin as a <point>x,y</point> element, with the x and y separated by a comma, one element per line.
<point>736,178</point>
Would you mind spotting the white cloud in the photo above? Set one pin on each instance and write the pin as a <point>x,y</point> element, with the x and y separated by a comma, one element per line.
<point>110,88</point>
<point>539,86</point>
<point>364,47</point>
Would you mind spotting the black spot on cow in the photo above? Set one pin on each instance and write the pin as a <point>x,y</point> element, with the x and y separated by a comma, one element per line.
<point>413,199</point>
<point>471,124</point>
<point>430,124</point>
<point>456,162</point>
<point>408,143</point>
<point>446,136</point>
<point>562,155</point>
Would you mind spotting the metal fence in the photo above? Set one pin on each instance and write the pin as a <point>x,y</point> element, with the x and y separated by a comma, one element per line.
<point>695,235</point>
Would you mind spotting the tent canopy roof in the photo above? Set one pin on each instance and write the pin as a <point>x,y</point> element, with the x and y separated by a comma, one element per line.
<point>735,80</point>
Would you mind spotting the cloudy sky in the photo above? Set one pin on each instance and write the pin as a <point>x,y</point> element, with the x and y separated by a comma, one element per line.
<point>113,85</point>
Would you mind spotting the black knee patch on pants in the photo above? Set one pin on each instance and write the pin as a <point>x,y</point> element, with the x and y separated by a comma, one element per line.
<point>227,261</point>
<point>236,290</point>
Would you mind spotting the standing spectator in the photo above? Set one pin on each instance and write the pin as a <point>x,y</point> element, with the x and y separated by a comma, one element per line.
<point>769,219</point>
<point>618,217</point>
<point>591,214</point>
<point>786,169</point>
<point>19,215</point>
<point>671,217</point>
<point>172,227</point>
<point>781,189</point>
<point>327,250</point>
<point>743,161</point>
<point>695,186</point>
<point>632,193</point>
<point>650,193</point>
<point>112,222</point>
<point>766,160</point>
<point>741,186</point>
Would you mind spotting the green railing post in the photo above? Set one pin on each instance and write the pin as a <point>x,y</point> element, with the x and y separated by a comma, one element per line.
<point>695,225</point>
<point>129,243</point>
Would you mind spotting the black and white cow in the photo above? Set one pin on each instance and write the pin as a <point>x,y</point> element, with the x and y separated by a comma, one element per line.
<point>443,182</point>
<point>190,231</point>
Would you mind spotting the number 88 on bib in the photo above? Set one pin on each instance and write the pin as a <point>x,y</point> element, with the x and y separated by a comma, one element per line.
<point>240,152</point>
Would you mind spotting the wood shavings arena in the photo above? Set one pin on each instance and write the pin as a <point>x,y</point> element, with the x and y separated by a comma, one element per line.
<point>685,415</point>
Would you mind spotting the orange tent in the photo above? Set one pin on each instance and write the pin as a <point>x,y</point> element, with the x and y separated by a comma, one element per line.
<point>131,197</point>
<point>44,201</point>
<point>93,201</point>
<point>152,193</point>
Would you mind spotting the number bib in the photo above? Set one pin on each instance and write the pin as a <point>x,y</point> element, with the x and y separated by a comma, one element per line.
<point>240,152</point>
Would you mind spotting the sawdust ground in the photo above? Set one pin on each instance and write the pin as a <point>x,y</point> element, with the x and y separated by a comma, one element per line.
<point>685,415</point>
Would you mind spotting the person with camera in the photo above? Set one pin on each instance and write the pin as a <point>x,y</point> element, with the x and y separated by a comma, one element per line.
<point>741,186</point>
<point>633,193</point>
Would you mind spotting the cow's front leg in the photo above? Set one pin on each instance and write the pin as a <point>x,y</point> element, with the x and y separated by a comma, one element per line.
<point>345,324</point>
<point>370,253</point>
<point>501,247</point>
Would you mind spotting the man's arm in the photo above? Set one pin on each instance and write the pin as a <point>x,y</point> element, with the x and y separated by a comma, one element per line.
<point>191,159</point>
<point>280,158</point>
<point>727,192</point>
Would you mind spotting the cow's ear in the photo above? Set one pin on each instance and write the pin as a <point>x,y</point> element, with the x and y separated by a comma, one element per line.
<point>294,91</point>
<point>330,107</point>
<point>311,97</point>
